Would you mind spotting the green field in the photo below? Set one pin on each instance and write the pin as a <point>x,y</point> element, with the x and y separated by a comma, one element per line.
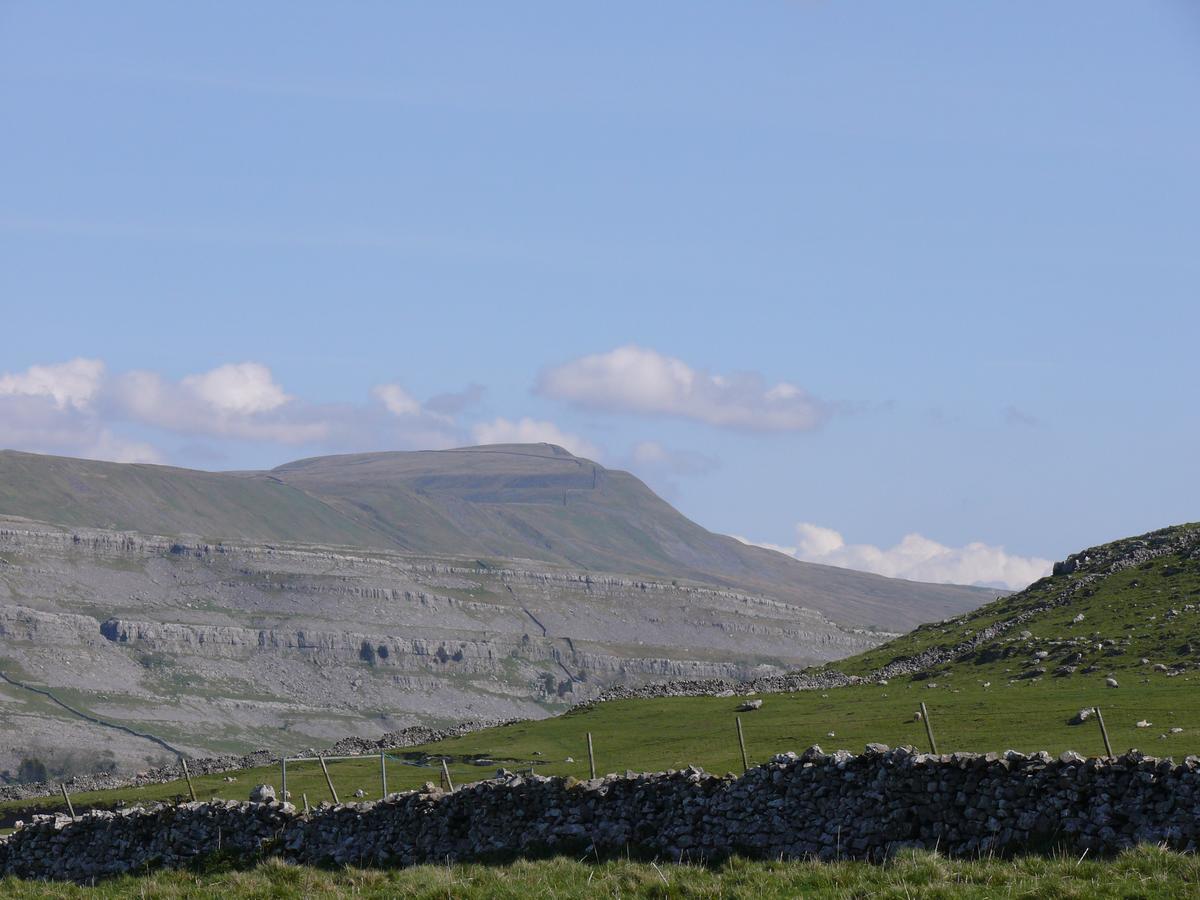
<point>650,735</point>
<point>1144,873</point>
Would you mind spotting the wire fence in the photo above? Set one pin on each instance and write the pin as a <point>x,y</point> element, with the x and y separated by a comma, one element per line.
<point>440,765</point>
<point>358,772</point>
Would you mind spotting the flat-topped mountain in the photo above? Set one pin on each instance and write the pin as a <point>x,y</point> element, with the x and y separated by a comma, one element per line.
<point>147,609</point>
<point>535,502</point>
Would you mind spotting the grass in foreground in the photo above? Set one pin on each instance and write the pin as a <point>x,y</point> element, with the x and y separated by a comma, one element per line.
<point>1145,873</point>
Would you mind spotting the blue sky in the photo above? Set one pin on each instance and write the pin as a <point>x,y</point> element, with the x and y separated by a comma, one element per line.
<point>963,236</point>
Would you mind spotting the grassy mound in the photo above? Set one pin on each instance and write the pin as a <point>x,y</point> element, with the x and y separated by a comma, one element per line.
<point>1108,609</point>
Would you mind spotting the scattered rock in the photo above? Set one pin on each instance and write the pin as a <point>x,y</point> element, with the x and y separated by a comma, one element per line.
<point>263,793</point>
<point>749,706</point>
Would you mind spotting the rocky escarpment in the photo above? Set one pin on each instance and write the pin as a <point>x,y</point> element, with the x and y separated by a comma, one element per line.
<point>824,806</point>
<point>211,646</point>
<point>443,656</point>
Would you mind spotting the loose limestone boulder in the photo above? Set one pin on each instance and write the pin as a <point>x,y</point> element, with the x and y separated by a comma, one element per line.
<point>263,793</point>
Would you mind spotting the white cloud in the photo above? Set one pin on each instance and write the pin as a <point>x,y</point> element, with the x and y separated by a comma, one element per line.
<point>237,389</point>
<point>37,423</point>
<point>639,380</point>
<point>77,408</point>
<point>398,401</point>
<point>917,558</point>
<point>532,431</point>
<point>71,384</point>
<point>238,401</point>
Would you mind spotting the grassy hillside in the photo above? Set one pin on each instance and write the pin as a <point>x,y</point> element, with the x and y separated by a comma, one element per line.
<point>168,501</point>
<point>534,502</point>
<point>1108,609</point>
<point>671,733</point>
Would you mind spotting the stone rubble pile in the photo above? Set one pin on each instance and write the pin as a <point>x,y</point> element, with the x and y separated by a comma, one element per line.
<point>815,805</point>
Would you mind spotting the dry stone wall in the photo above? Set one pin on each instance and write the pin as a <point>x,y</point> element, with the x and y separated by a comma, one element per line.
<point>816,805</point>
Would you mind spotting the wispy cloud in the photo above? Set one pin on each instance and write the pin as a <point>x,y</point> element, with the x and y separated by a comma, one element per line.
<point>1018,417</point>
<point>634,379</point>
<point>916,558</point>
<point>80,408</point>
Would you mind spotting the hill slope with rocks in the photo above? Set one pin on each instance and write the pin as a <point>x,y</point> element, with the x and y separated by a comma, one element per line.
<point>1130,608</point>
<point>1124,608</point>
<point>146,610</point>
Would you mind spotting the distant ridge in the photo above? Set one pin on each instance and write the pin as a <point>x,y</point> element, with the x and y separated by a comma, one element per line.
<point>516,501</point>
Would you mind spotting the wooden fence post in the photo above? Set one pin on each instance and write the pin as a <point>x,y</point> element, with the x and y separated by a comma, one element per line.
<point>928,729</point>
<point>66,796</point>
<point>383,773</point>
<point>328,780</point>
<point>283,778</point>
<point>446,772</point>
<point>1103,731</point>
<point>591,756</point>
<point>742,745</point>
<point>188,776</point>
